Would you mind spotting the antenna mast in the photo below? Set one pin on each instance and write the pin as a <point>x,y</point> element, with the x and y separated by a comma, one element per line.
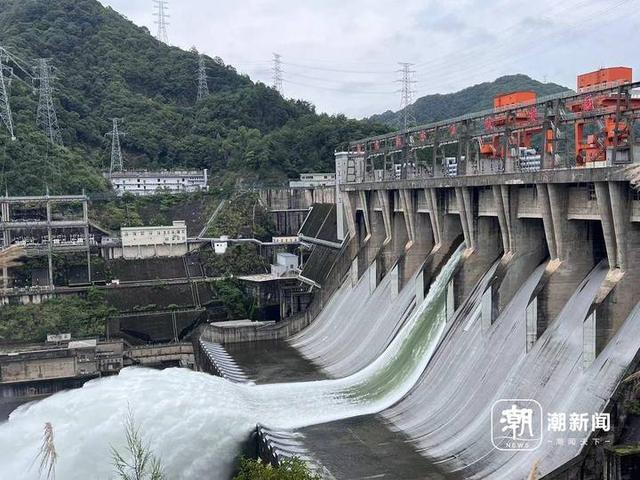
<point>47,118</point>
<point>161,20</point>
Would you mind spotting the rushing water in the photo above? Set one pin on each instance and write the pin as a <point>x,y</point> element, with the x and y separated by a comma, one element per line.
<point>197,422</point>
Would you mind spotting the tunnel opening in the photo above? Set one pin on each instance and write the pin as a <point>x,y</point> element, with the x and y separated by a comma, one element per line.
<point>595,238</point>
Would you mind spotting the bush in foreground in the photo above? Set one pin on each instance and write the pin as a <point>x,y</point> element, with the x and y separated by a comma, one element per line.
<point>294,469</point>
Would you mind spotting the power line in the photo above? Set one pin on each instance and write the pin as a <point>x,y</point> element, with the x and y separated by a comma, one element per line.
<point>203,88</point>
<point>339,70</point>
<point>46,116</point>
<point>161,20</point>
<point>277,72</point>
<point>116,151</point>
<point>335,79</point>
<point>355,91</point>
<point>491,64</point>
<point>406,94</point>
<point>504,51</point>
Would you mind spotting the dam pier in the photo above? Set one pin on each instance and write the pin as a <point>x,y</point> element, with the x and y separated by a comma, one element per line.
<point>501,255</point>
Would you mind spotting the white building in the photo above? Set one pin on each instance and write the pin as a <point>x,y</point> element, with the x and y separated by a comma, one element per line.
<point>220,245</point>
<point>166,181</point>
<point>285,262</point>
<point>156,241</point>
<point>308,180</point>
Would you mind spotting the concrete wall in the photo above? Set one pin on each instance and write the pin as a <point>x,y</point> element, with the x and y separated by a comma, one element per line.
<point>296,198</point>
<point>574,224</point>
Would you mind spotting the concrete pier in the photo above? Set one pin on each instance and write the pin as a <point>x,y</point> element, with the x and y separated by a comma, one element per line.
<point>573,217</point>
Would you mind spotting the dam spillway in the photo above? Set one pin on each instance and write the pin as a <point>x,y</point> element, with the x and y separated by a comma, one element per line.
<point>545,301</point>
<point>222,413</point>
<point>424,333</point>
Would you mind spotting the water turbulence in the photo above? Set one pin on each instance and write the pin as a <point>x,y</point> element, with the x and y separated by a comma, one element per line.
<point>448,412</point>
<point>198,422</point>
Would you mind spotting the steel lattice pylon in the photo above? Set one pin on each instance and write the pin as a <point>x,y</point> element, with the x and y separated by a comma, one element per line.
<point>161,20</point>
<point>47,118</point>
<point>406,95</point>
<point>5,107</point>
<point>203,88</point>
<point>116,151</point>
<point>277,72</point>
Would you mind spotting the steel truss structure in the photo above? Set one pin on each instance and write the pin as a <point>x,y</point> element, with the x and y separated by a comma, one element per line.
<point>488,141</point>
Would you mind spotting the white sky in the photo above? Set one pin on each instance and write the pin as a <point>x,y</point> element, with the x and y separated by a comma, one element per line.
<point>341,55</point>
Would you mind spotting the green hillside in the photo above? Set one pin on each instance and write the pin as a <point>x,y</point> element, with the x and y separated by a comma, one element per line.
<point>432,108</point>
<point>108,67</point>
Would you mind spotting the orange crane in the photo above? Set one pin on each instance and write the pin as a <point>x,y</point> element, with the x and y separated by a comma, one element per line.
<point>603,135</point>
<point>521,117</point>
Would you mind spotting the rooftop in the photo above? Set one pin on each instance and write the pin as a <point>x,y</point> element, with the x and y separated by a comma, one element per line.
<point>155,174</point>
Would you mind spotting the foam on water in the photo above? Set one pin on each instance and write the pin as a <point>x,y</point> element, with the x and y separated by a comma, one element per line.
<point>197,422</point>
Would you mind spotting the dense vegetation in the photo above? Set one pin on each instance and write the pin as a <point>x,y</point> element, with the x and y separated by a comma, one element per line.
<point>432,108</point>
<point>78,316</point>
<point>294,469</point>
<point>132,211</point>
<point>239,259</point>
<point>238,305</point>
<point>243,216</point>
<point>108,67</point>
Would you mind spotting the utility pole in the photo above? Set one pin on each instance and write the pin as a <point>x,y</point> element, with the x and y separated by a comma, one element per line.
<point>47,118</point>
<point>5,107</point>
<point>203,88</point>
<point>406,94</point>
<point>116,151</point>
<point>161,20</point>
<point>277,72</point>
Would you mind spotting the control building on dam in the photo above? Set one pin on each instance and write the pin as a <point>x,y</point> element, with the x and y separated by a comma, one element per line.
<point>539,195</point>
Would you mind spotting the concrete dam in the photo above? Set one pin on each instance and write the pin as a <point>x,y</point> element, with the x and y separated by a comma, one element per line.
<point>506,275</point>
<point>448,295</point>
<point>539,302</point>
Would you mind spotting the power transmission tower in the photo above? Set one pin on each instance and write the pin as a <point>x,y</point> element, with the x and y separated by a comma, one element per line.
<point>277,72</point>
<point>203,88</point>
<point>47,118</point>
<point>5,107</point>
<point>116,151</point>
<point>161,20</point>
<point>406,94</point>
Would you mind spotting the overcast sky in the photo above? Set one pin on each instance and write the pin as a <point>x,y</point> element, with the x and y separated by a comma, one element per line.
<point>342,55</point>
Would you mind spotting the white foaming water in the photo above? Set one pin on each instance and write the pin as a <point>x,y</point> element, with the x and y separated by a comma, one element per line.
<point>197,422</point>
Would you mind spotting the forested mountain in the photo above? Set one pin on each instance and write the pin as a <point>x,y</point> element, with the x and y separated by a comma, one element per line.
<point>432,108</point>
<point>105,66</point>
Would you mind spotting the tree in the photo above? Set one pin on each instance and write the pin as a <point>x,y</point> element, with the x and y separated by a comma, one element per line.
<point>108,67</point>
<point>138,462</point>
<point>289,469</point>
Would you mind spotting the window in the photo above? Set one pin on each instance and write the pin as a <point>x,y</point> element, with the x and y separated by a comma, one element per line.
<point>592,191</point>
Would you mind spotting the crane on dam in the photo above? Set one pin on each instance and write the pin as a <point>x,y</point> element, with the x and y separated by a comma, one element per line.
<point>521,133</point>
